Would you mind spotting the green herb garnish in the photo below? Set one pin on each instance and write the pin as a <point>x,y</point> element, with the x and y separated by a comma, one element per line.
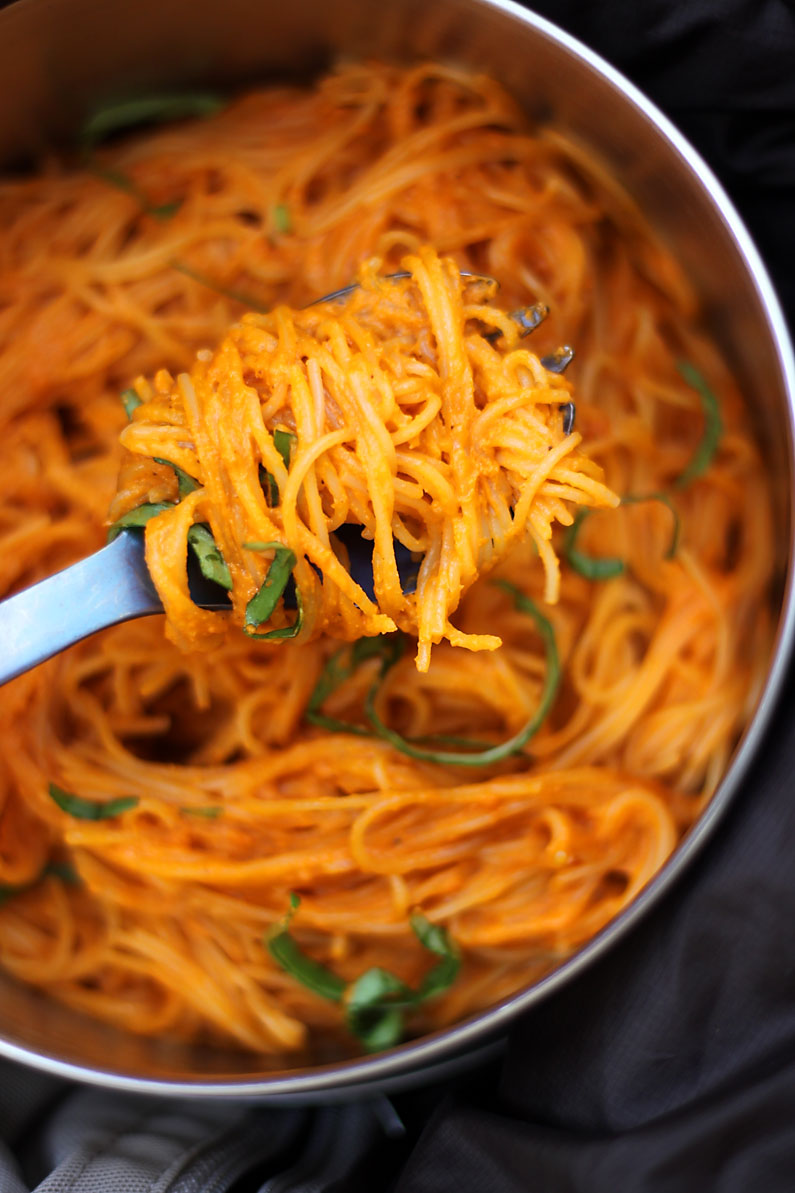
<point>283,442</point>
<point>211,562</point>
<point>375,1003</point>
<point>262,604</point>
<point>185,483</point>
<point>130,401</point>
<point>606,568</point>
<point>389,648</point>
<point>713,425</point>
<point>123,182</point>
<point>342,664</point>
<point>129,114</point>
<point>203,279</point>
<point>89,809</point>
<point>208,811</point>
<point>138,517</point>
<point>62,870</point>
<point>587,565</point>
<point>282,220</point>
<point>493,754</point>
<point>65,871</point>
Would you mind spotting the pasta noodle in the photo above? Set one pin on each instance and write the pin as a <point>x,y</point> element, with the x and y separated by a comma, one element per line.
<point>160,809</point>
<point>481,464</point>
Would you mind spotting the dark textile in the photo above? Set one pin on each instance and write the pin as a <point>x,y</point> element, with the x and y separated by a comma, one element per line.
<point>670,1066</point>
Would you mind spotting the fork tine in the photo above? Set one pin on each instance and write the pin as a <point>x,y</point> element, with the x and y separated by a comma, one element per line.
<point>557,362</point>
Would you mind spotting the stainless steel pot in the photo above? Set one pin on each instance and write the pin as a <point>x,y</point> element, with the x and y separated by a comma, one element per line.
<point>58,58</point>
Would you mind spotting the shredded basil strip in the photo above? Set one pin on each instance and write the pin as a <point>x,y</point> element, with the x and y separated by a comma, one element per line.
<point>283,442</point>
<point>606,568</point>
<point>513,745</point>
<point>436,939</point>
<point>122,182</point>
<point>376,1002</point>
<point>130,401</point>
<point>211,562</point>
<point>65,871</point>
<point>262,604</point>
<point>342,664</point>
<point>282,220</point>
<point>586,565</point>
<point>375,1007</point>
<point>203,279</point>
<point>294,961</point>
<point>208,811</point>
<point>185,483</point>
<point>62,870</point>
<point>713,425</point>
<point>125,115</point>
<point>89,809</point>
<point>389,649</point>
<point>137,517</point>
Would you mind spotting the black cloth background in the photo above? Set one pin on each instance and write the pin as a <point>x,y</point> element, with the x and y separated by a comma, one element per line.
<point>669,1066</point>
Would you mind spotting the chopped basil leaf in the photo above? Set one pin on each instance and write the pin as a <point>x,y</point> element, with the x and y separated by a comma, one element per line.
<point>126,115</point>
<point>165,211</point>
<point>130,401</point>
<point>608,567</point>
<point>374,1009</point>
<point>62,870</point>
<point>436,939</point>
<point>89,809</point>
<point>282,221</point>
<point>208,811</point>
<point>342,664</point>
<point>513,745</point>
<point>122,182</point>
<point>376,1028</point>
<point>304,969</point>
<point>269,486</point>
<point>283,442</point>
<point>262,604</point>
<point>10,892</point>
<point>211,562</point>
<point>586,565</point>
<point>713,425</point>
<point>203,279</point>
<point>137,517</point>
<point>376,1002</point>
<point>294,961</point>
<point>185,483</point>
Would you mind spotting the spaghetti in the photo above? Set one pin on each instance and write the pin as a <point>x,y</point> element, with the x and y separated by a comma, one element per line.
<point>160,809</point>
<point>395,412</point>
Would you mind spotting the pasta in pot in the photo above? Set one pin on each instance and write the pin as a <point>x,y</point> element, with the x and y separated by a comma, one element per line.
<point>183,836</point>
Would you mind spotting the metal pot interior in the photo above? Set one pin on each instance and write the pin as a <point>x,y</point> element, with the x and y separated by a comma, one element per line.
<point>58,58</point>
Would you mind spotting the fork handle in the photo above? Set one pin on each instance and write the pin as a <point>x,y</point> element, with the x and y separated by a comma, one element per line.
<point>110,586</point>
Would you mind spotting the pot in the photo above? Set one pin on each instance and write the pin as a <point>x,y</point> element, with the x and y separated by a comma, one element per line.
<point>60,58</point>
